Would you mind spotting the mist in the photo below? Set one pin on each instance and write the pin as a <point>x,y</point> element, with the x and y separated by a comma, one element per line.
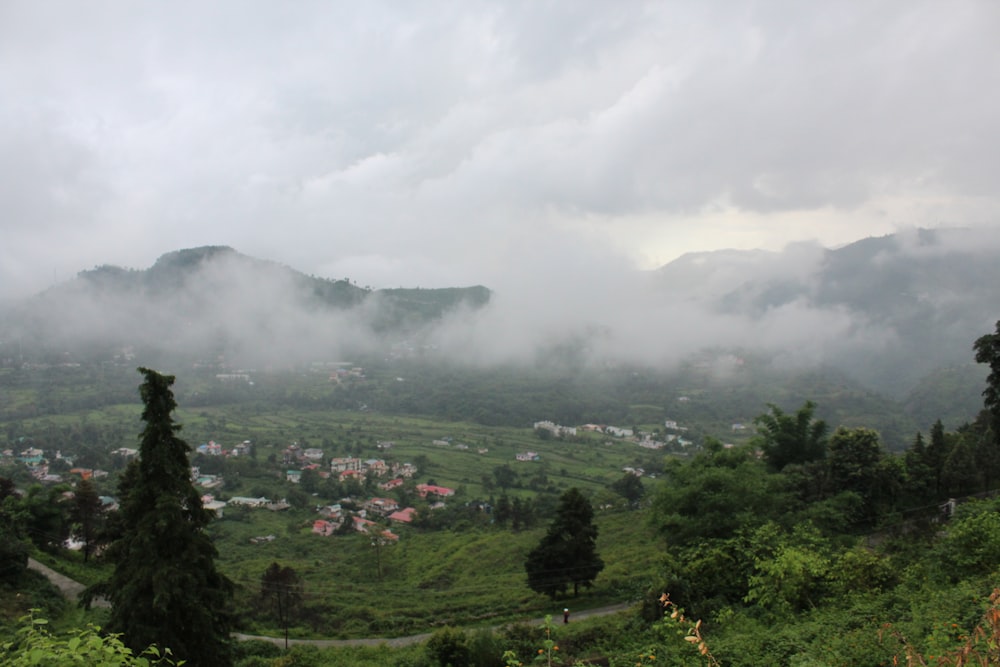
<point>796,309</point>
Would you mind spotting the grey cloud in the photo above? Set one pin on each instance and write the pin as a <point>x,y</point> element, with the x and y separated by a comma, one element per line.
<point>428,137</point>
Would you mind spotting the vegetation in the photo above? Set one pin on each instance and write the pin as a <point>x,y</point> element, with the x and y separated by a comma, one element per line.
<point>796,544</point>
<point>165,590</point>
<point>567,555</point>
<point>35,646</point>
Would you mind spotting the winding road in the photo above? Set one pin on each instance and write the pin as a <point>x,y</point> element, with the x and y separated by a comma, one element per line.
<point>71,590</point>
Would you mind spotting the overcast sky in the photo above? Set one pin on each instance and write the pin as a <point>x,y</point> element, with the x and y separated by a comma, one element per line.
<point>441,143</point>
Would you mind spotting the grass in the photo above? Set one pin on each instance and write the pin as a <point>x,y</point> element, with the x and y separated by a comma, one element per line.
<point>460,579</point>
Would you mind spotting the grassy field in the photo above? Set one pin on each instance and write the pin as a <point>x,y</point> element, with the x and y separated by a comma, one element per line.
<point>427,579</point>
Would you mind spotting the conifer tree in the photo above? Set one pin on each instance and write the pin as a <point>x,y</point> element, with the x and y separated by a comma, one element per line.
<point>165,589</point>
<point>567,555</point>
<point>87,514</point>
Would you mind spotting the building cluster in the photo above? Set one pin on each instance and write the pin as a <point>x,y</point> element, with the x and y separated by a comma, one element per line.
<point>332,518</point>
<point>555,429</point>
<point>40,467</point>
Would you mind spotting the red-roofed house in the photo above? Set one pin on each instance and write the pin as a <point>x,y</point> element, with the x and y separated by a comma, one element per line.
<point>425,489</point>
<point>324,527</point>
<point>403,516</point>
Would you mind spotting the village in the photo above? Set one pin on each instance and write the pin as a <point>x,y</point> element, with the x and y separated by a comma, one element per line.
<point>376,513</point>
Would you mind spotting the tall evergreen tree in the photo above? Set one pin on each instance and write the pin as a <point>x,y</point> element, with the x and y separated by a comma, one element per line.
<point>165,589</point>
<point>567,555</point>
<point>86,513</point>
<point>987,350</point>
<point>937,454</point>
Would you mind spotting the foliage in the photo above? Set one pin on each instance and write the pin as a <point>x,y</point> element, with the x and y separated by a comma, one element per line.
<point>786,439</point>
<point>35,646</point>
<point>630,488</point>
<point>281,594</point>
<point>165,589</point>
<point>86,515</point>
<point>980,647</point>
<point>567,555</point>
<point>449,647</point>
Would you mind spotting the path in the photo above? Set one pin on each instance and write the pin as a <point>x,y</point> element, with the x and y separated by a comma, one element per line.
<point>396,642</point>
<point>71,589</point>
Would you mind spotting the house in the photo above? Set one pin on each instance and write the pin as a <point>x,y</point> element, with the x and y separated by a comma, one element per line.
<point>332,512</point>
<point>403,516</point>
<point>618,432</point>
<point>211,448</point>
<point>404,469</point>
<point>429,489</point>
<point>381,506</point>
<point>528,456</point>
<point>555,429</point>
<point>375,466</point>
<point>313,454</point>
<point>209,502</point>
<point>324,527</point>
<point>262,539</point>
<point>391,484</point>
<point>209,481</point>
<point>243,449</point>
<point>365,525</point>
<point>348,474</point>
<point>293,476</point>
<point>292,454</point>
<point>249,502</point>
<point>345,464</point>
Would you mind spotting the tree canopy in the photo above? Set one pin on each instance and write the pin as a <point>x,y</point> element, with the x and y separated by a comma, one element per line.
<point>787,439</point>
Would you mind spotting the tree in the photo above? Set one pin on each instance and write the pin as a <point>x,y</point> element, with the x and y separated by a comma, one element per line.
<point>988,352</point>
<point>787,439</point>
<point>630,488</point>
<point>86,516</point>
<point>43,517</point>
<point>567,555</point>
<point>165,589</point>
<point>281,592</point>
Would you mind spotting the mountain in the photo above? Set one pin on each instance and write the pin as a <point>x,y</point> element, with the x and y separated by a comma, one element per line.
<point>213,300</point>
<point>895,314</point>
<point>910,304</point>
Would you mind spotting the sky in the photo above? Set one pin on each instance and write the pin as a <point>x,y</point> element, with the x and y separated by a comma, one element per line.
<point>510,144</point>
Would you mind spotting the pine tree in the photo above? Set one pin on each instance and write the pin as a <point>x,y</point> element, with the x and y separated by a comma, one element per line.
<point>165,589</point>
<point>567,555</point>
<point>86,514</point>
